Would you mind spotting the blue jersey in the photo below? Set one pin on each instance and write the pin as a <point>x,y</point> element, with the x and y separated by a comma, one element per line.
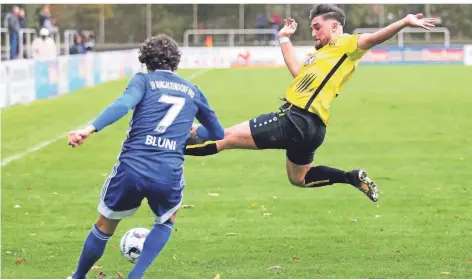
<point>165,106</point>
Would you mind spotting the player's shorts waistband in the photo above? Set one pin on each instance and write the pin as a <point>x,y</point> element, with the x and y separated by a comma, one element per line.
<point>289,106</point>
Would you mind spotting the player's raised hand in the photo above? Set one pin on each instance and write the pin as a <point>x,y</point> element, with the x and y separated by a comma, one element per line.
<point>290,26</point>
<point>419,20</point>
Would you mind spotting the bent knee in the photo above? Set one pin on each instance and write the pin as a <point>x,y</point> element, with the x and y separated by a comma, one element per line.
<point>106,225</point>
<point>172,218</point>
<point>297,181</point>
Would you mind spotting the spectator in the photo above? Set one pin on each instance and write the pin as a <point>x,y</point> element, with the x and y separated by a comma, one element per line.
<point>22,19</point>
<point>13,24</point>
<point>44,46</point>
<point>50,24</point>
<point>275,22</point>
<point>261,23</point>
<point>23,24</point>
<point>44,15</point>
<point>201,33</point>
<point>78,46</point>
<point>89,42</point>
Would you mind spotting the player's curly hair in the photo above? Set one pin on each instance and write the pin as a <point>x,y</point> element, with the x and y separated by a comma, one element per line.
<point>160,52</point>
<point>328,11</point>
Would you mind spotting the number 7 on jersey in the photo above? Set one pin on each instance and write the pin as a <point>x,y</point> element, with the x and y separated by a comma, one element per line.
<point>177,105</point>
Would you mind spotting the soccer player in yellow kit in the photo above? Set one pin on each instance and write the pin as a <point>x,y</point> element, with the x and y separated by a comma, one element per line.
<point>300,125</point>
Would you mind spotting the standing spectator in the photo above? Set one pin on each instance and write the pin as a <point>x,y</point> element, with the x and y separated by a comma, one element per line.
<point>261,23</point>
<point>275,22</point>
<point>22,19</point>
<point>50,24</point>
<point>44,46</point>
<point>78,46</point>
<point>201,33</point>
<point>13,24</point>
<point>89,40</point>
<point>44,15</point>
<point>23,24</point>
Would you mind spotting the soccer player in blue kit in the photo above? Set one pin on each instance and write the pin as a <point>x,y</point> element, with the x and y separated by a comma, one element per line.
<point>150,163</point>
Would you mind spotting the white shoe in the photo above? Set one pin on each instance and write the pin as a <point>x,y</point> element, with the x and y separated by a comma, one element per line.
<point>359,179</point>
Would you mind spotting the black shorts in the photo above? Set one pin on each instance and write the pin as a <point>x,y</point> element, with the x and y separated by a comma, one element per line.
<point>295,130</point>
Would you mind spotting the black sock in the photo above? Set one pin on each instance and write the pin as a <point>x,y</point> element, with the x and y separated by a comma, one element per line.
<point>200,148</point>
<point>320,176</point>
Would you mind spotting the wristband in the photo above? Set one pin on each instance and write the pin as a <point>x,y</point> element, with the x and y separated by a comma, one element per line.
<point>283,40</point>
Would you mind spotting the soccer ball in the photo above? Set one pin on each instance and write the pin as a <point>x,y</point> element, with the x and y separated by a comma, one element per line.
<point>132,243</point>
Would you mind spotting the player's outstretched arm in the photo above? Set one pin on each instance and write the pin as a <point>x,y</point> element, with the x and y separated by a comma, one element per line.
<point>118,109</point>
<point>369,40</point>
<point>210,128</point>
<point>288,51</point>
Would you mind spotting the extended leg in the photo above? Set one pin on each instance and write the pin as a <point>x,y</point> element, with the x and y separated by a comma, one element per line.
<point>308,176</point>
<point>236,137</point>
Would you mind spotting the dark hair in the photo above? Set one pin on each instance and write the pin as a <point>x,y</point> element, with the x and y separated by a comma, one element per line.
<point>160,52</point>
<point>328,11</point>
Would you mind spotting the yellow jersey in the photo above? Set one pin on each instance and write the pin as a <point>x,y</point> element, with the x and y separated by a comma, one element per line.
<point>324,74</point>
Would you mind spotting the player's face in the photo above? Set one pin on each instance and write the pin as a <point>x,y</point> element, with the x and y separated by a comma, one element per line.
<point>322,31</point>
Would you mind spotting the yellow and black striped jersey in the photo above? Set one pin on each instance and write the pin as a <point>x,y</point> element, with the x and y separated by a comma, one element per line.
<point>324,74</point>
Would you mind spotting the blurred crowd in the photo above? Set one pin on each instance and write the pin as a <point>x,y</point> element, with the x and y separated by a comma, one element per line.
<point>176,19</point>
<point>43,43</point>
<point>274,22</point>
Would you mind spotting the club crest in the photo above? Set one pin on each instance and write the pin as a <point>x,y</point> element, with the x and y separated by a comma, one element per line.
<point>310,60</point>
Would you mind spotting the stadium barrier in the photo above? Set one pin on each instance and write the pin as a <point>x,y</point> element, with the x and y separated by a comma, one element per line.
<point>26,80</point>
<point>23,81</point>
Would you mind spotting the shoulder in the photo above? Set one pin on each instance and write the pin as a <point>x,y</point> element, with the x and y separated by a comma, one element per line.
<point>198,94</point>
<point>139,79</point>
<point>140,76</point>
<point>347,38</point>
<point>194,91</point>
<point>349,45</point>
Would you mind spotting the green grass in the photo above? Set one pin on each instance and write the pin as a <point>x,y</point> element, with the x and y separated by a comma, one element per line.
<point>409,126</point>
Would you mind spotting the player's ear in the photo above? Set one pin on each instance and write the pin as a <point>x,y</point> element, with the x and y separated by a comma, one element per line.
<point>335,26</point>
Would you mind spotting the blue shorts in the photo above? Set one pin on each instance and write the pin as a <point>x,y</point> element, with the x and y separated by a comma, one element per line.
<point>124,190</point>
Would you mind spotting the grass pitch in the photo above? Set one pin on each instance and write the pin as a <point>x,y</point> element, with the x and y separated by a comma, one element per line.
<point>408,126</point>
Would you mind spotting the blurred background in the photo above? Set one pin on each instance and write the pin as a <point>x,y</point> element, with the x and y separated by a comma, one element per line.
<point>80,28</point>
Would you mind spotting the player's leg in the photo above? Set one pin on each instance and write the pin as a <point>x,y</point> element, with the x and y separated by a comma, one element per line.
<point>164,201</point>
<point>236,137</point>
<point>94,245</point>
<point>301,173</point>
<point>155,242</point>
<point>262,132</point>
<point>119,199</point>
<point>307,134</point>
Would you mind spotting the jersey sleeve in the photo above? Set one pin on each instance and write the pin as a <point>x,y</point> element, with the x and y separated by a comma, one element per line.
<point>350,47</point>
<point>128,100</point>
<point>211,128</point>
